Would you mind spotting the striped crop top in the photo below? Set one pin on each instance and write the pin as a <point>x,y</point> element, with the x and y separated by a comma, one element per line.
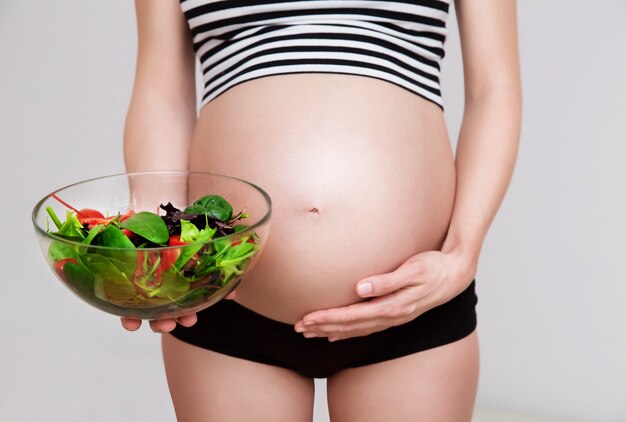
<point>397,41</point>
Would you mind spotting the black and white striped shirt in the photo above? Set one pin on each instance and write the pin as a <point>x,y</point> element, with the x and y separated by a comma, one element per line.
<point>397,41</point>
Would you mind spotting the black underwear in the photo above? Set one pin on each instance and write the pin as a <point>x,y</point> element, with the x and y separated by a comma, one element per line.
<point>231,329</point>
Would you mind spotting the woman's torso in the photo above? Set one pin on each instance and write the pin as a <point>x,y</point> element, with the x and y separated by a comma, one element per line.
<point>360,172</point>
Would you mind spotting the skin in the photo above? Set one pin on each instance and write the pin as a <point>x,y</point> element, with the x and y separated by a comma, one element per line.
<point>160,124</point>
<point>486,153</point>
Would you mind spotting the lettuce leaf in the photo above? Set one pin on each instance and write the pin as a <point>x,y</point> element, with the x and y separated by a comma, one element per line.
<point>192,234</point>
<point>71,227</point>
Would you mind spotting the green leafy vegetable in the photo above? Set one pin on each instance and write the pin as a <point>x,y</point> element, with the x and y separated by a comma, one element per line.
<point>54,217</point>
<point>71,227</point>
<point>113,237</point>
<point>214,206</point>
<point>229,265</point>
<point>92,234</point>
<point>123,255</point>
<point>109,282</point>
<point>80,277</point>
<point>240,227</point>
<point>58,251</point>
<point>173,286</point>
<point>194,235</point>
<point>188,231</point>
<point>114,264</point>
<point>149,226</point>
<point>229,260</point>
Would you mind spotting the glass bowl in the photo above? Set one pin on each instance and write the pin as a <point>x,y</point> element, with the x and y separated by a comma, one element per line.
<point>133,278</point>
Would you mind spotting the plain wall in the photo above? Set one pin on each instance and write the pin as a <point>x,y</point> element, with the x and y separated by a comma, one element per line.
<point>551,278</point>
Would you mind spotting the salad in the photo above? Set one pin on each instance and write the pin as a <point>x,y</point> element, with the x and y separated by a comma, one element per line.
<point>113,259</point>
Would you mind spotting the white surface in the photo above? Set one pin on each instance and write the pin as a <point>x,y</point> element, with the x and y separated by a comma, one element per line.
<point>551,278</point>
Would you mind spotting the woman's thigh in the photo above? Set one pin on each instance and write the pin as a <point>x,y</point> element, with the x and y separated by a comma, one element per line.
<point>436,385</point>
<point>206,386</point>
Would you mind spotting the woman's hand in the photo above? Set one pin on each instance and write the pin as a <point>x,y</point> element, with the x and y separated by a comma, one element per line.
<point>160,325</point>
<point>421,283</point>
<point>165,325</point>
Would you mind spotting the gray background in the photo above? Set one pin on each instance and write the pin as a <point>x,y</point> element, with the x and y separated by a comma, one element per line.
<point>551,276</point>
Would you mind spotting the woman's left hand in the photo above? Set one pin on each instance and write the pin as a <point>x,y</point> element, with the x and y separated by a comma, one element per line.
<point>421,283</point>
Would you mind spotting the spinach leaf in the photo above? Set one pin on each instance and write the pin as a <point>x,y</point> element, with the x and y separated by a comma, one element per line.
<point>214,206</point>
<point>124,259</point>
<point>113,237</point>
<point>79,277</point>
<point>92,234</point>
<point>194,209</point>
<point>149,226</point>
<point>58,251</point>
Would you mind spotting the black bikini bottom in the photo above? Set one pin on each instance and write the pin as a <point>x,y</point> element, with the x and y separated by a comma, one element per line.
<point>231,329</point>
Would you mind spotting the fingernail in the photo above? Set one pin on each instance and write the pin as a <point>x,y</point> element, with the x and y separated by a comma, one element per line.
<point>310,335</point>
<point>331,339</point>
<point>364,288</point>
<point>299,328</point>
<point>309,322</point>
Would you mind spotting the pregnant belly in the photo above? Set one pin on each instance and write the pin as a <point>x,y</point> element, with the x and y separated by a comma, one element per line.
<point>360,173</point>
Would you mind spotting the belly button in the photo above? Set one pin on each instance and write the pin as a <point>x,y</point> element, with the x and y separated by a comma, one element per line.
<point>314,210</point>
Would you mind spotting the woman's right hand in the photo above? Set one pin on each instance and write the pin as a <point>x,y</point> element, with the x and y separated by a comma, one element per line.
<point>165,325</point>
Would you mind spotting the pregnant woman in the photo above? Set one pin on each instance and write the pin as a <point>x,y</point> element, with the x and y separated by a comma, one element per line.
<point>367,279</point>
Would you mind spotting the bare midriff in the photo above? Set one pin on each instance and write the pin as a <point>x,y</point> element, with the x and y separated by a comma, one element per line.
<point>360,172</point>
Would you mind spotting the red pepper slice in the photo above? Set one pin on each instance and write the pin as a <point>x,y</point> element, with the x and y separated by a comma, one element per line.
<point>238,241</point>
<point>89,216</point>
<point>175,241</point>
<point>88,212</point>
<point>127,215</point>
<point>139,269</point>
<point>168,258</point>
